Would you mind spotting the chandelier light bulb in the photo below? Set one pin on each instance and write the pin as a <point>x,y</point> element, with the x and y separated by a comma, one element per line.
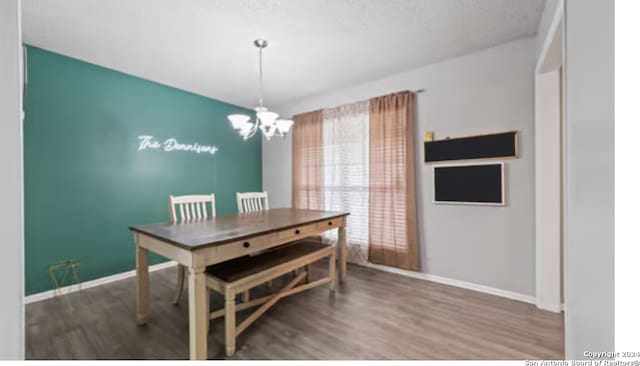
<point>283,126</point>
<point>238,121</point>
<point>267,118</point>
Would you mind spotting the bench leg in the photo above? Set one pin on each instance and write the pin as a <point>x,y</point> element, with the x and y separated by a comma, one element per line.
<point>207,300</point>
<point>332,270</point>
<point>342,246</point>
<point>230,321</point>
<point>245,296</point>
<point>307,268</point>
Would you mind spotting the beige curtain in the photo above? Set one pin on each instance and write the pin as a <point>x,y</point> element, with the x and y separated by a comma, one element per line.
<point>392,208</point>
<point>308,161</point>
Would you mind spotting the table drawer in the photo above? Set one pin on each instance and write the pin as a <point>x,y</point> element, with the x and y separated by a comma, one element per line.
<point>297,233</point>
<point>260,243</point>
<point>241,248</point>
<point>328,224</point>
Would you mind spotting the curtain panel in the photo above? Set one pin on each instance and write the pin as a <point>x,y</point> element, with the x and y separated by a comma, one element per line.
<point>392,209</point>
<point>308,161</point>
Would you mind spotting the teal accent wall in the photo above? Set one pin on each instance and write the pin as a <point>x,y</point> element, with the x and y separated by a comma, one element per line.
<point>85,180</point>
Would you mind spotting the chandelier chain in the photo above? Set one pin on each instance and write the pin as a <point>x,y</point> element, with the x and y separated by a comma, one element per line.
<point>260,90</point>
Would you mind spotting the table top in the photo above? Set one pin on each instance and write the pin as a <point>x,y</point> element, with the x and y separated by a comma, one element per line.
<point>223,229</point>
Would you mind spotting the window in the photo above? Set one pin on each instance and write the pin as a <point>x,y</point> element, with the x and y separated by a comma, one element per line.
<point>359,158</point>
<point>345,172</point>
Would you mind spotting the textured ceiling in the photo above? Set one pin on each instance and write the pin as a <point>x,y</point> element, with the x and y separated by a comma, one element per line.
<point>205,46</point>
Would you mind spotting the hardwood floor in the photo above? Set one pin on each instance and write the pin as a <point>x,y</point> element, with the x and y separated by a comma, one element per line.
<point>376,315</point>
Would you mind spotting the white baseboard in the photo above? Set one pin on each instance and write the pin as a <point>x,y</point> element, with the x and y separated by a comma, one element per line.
<point>457,283</point>
<point>556,308</point>
<point>419,275</point>
<point>93,283</point>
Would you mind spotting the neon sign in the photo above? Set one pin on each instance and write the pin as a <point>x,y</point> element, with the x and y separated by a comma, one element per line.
<point>171,144</point>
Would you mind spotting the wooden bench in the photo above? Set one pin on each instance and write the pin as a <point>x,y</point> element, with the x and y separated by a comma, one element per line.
<point>239,275</point>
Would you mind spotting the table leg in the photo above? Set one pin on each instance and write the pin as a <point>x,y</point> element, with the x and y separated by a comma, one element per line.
<point>332,270</point>
<point>342,246</point>
<point>142,284</point>
<point>197,314</point>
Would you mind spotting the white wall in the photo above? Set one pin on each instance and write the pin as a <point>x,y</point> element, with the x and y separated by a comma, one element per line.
<point>487,91</point>
<point>589,210</point>
<point>11,247</point>
<point>277,170</point>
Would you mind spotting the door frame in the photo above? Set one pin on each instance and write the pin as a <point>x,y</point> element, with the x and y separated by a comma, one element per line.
<point>550,168</point>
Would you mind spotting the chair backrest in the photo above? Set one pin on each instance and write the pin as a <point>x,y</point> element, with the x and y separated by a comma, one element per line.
<point>191,207</point>
<point>252,201</point>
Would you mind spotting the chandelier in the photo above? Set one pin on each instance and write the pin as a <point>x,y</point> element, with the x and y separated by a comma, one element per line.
<point>266,120</point>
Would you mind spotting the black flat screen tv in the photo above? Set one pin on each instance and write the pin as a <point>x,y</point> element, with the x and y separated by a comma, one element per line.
<point>477,184</point>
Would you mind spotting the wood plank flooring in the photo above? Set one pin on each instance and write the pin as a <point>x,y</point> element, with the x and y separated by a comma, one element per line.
<point>376,315</point>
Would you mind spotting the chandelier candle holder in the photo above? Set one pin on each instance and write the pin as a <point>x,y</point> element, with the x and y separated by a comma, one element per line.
<point>266,120</point>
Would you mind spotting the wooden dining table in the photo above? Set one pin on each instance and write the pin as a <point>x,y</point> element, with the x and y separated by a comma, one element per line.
<point>198,244</point>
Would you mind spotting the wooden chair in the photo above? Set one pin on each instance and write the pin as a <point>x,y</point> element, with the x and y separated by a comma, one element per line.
<point>189,208</point>
<point>241,274</point>
<point>252,201</point>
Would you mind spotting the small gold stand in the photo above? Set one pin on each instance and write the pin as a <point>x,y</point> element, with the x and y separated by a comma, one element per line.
<point>64,274</point>
<point>428,136</point>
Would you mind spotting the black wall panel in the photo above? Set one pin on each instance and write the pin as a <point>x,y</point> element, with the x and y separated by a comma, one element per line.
<point>469,184</point>
<point>474,147</point>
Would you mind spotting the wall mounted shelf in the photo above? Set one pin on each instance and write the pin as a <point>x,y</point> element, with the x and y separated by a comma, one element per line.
<point>495,145</point>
